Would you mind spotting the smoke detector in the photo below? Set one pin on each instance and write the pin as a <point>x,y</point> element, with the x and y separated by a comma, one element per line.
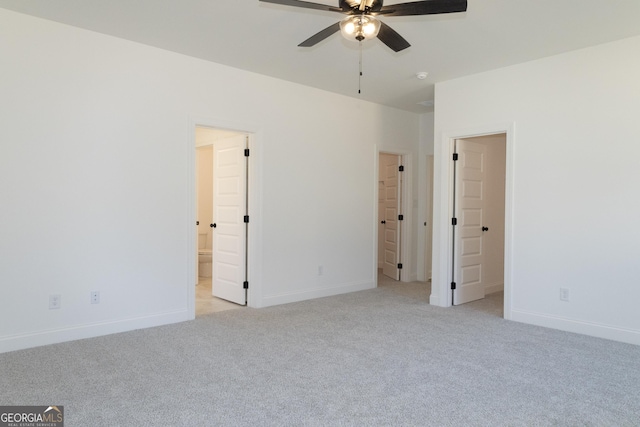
<point>422,75</point>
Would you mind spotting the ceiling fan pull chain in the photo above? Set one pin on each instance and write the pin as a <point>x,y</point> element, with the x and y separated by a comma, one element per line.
<point>360,65</point>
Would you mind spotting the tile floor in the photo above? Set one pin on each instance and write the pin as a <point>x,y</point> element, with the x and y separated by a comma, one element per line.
<point>205,303</point>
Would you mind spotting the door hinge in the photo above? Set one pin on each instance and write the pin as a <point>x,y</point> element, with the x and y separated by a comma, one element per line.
<point>400,266</point>
<point>455,156</point>
<point>454,221</point>
<point>400,217</point>
<point>246,152</point>
<point>246,219</point>
<point>245,285</point>
<point>453,285</point>
<point>401,168</point>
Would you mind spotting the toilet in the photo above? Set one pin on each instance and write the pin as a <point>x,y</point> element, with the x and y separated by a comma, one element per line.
<point>204,256</point>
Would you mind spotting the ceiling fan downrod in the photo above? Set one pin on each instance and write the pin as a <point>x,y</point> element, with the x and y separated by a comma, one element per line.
<point>360,66</point>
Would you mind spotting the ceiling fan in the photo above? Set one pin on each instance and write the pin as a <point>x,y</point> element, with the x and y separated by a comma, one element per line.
<point>362,22</point>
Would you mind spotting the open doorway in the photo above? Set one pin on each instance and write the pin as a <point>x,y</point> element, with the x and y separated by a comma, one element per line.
<point>478,219</point>
<point>390,215</point>
<point>221,219</point>
<point>443,266</point>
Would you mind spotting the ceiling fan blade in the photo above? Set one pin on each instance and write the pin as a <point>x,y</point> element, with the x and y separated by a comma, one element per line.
<point>424,7</point>
<point>391,38</point>
<point>318,37</point>
<point>304,4</point>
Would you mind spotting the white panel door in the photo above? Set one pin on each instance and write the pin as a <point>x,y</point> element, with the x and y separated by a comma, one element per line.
<point>229,209</point>
<point>391,235</point>
<point>469,203</point>
<point>381,207</point>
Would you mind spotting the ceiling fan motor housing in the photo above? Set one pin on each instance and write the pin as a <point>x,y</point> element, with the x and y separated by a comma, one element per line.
<point>354,5</point>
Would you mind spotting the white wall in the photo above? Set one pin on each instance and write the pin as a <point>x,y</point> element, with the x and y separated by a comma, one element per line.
<point>424,187</point>
<point>95,181</point>
<point>574,175</point>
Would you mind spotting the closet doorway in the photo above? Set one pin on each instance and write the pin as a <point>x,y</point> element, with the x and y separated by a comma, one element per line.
<point>478,227</point>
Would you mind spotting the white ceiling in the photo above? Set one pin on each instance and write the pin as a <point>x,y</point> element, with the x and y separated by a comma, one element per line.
<point>263,38</point>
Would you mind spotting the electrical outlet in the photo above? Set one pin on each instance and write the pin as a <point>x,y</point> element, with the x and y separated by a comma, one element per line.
<point>564,294</point>
<point>55,301</point>
<point>95,297</point>
<point>320,270</point>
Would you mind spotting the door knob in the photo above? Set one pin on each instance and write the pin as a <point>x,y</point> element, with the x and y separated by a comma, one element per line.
<point>214,225</point>
<point>485,228</point>
<point>197,222</point>
<point>383,222</point>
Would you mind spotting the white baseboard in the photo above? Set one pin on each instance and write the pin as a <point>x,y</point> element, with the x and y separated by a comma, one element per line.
<point>289,297</point>
<point>436,300</point>
<point>37,339</point>
<point>412,278</point>
<point>578,326</point>
<point>494,287</point>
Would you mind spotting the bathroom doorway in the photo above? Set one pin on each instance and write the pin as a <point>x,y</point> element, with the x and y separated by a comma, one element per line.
<point>222,219</point>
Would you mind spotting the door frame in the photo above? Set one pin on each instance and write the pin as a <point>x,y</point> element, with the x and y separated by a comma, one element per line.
<point>425,270</point>
<point>406,159</point>
<point>254,253</point>
<point>443,212</point>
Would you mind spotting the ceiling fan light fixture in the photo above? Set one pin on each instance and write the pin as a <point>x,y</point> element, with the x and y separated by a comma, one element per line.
<point>359,27</point>
<point>349,29</point>
<point>370,29</point>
